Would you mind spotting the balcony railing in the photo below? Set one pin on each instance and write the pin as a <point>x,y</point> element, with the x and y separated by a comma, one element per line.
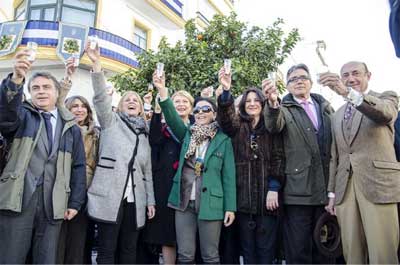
<point>174,5</point>
<point>45,34</point>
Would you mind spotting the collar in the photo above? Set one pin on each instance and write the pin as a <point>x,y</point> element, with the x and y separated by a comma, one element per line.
<point>309,100</point>
<point>54,113</point>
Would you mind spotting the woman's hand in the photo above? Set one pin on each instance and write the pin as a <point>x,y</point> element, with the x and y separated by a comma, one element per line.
<point>229,218</point>
<point>94,56</point>
<point>69,68</point>
<point>159,83</point>
<point>224,79</point>
<point>272,200</point>
<point>151,211</point>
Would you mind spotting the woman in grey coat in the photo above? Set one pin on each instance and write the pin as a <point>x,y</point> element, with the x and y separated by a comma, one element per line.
<point>122,187</point>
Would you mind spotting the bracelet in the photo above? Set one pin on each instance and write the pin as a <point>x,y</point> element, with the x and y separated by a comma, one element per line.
<point>331,195</point>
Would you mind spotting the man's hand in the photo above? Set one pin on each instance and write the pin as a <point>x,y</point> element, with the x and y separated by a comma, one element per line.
<point>270,92</point>
<point>229,218</point>
<point>151,211</point>
<point>207,92</point>
<point>224,79</point>
<point>21,66</point>
<point>334,82</point>
<point>94,56</point>
<point>69,214</point>
<point>69,68</point>
<point>272,202</point>
<point>159,83</point>
<point>330,208</point>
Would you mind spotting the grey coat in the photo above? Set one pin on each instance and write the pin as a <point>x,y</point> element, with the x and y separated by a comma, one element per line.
<point>117,143</point>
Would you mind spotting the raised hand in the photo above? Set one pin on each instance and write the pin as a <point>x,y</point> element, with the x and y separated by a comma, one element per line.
<point>69,68</point>
<point>270,92</point>
<point>334,82</point>
<point>148,98</point>
<point>224,79</point>
<point>21,66</point>
<point>94,56</point>
<point>159,83</point>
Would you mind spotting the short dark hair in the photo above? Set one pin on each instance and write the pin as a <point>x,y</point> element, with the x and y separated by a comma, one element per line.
<point>69,101</point>
<point>46,75</point>
<point>301,66</point>
<point>209,100</point>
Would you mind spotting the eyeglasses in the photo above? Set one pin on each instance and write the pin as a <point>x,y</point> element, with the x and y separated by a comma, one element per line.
<point>297,78</point>
<point>204,109</point>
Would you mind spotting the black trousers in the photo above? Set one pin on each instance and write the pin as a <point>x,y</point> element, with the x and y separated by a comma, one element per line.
<point>298,226</point>
<point>258,237</point>
<point>71,245</point>
<point>118,242</point>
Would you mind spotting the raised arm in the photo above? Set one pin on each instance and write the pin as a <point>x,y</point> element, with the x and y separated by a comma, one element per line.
<point>172,118</point>
<point>381,109</point>
<point>101,100</point>
<point>273,115</point>
<point>226,115</point>
<point>11,91</point>
<point>65,82</point>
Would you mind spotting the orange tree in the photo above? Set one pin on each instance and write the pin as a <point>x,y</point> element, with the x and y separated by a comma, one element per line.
<point>193,64</point>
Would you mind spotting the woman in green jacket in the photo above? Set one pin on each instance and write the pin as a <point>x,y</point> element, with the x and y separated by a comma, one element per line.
<point>204,188</point>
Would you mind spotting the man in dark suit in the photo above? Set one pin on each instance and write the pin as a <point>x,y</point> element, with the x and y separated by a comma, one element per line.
<point>364,178</point>
<point>44,180</point>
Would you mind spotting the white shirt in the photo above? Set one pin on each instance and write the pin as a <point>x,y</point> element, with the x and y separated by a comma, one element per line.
<point>129,191</point>
<point>312,107</point>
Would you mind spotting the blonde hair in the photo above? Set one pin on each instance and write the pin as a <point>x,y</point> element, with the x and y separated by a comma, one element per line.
<point>126,94</point>
<point>184,93</point>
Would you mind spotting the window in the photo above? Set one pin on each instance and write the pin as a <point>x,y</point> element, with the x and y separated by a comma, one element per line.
<point>20,11</point>
<point>81,12</point>
<point>42,9</point>
<point>140,38</point>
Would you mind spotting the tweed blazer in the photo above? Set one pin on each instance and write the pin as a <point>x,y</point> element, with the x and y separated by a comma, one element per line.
<point>369,151</point>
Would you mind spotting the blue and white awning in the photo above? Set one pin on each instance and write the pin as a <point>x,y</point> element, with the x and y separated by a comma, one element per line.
<point>45,33</point>
<point>174,5</point>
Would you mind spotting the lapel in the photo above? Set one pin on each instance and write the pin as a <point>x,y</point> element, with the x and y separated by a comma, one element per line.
<point>214,144</point>
<point>339,129</point>
<point>319,114</point>
<point>355,126</point>
<point>304,123</point>
<point>57,135</point>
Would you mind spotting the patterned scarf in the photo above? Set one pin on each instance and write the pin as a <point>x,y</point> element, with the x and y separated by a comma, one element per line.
<point>200,133</point>
<point>136,122</point>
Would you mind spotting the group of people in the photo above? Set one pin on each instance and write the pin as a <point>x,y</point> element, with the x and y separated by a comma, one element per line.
<point>202,175</point>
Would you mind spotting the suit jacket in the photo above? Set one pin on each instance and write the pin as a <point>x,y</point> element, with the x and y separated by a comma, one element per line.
<point>369,152</point>
<point>397,137</point>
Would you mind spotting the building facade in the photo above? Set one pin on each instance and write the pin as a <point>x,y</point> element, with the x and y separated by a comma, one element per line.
<point>125,28</point>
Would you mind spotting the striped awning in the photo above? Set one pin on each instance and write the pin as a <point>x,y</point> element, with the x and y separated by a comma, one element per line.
<point>45,33</point>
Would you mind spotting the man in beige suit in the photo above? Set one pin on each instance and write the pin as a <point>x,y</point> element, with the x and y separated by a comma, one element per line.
<point>364,182</point>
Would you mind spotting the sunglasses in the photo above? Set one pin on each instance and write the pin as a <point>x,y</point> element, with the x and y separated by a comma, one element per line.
<point>204,109</point>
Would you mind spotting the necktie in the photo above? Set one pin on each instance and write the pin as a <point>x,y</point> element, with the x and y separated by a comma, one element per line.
<point>49,129</point>
<point>310,114</point>
<point>348,112</point>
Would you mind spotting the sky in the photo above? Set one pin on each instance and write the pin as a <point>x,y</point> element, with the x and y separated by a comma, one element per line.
<point>352,30</point>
